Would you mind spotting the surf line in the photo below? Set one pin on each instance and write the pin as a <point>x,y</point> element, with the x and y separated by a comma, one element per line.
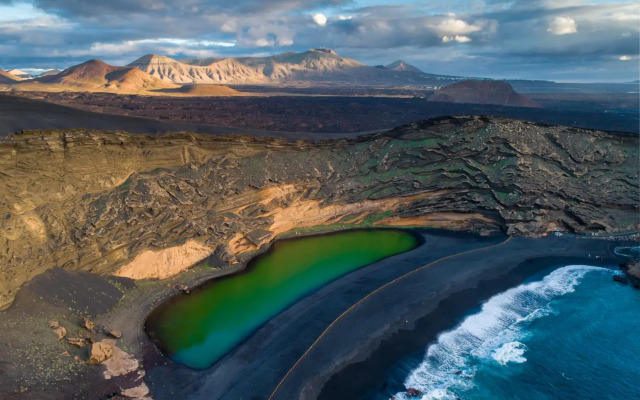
<point>386,285</point>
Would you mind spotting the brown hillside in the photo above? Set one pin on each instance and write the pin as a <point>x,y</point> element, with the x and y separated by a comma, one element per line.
<point>96,76</point>
<point>6,77</point>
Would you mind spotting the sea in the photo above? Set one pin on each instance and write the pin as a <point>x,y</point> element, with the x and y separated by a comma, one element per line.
<point>567,333</point>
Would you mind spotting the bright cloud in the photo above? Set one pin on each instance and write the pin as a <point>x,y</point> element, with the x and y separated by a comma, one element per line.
<point>563,26</point>
<point>453,26</point>
<point>320,19</point>
<point>457,38</point>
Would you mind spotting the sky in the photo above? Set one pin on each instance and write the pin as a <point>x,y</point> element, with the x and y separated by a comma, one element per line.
<point>569,40</point>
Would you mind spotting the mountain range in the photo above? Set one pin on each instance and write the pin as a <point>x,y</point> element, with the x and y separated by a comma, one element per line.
<point>95,75</point>
<point>206,77</point>
<point>312,67</point>
<point>316,67</point>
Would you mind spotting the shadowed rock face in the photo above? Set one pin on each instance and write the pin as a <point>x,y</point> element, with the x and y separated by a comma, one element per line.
<point>144,207</point>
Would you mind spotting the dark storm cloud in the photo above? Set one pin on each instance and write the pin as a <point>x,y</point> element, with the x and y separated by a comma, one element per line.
<point>474,37</point>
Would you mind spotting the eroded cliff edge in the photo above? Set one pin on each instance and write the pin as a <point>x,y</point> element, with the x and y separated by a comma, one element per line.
<point>143,207</point>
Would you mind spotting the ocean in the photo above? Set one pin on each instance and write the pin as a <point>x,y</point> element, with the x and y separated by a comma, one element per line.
<point>570,333</point>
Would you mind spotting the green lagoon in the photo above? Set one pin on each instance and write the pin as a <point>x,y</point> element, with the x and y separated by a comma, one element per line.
<point>199,328</point>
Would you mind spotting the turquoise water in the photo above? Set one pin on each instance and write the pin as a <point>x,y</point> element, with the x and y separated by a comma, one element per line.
<point>572,334</point>
<point>199,328</point>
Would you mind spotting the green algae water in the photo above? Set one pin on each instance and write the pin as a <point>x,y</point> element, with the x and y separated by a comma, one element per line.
<point>199,328</point>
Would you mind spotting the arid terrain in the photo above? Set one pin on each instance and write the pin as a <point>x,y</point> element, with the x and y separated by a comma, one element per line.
<point>316,113</point>
<point>82,206</point>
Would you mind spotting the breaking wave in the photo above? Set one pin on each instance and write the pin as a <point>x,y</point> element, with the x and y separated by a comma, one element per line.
<point>492,335</point>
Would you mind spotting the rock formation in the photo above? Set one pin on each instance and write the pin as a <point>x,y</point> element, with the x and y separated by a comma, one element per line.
<point>77,342</point>
<point>148,207</point>
<point>101,351</point>
<point>482,92</point>
<point>631,275</point>
<point>60,332</point>
<point>115,334</point>
<point>88,324</point>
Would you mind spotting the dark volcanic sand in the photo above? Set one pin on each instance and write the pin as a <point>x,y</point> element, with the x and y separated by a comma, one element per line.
<point>353,356</point>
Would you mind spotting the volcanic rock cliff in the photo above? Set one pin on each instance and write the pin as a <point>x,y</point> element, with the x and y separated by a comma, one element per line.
<point>149,207</point>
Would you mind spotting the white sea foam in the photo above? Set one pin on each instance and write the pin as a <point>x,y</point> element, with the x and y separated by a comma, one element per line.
<point>491,335</point>
<point>510,352</point>
<point>439,394</point>
<point>627,251</point>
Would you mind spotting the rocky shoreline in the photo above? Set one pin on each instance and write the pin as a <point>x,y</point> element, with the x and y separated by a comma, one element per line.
<point>631,274</point>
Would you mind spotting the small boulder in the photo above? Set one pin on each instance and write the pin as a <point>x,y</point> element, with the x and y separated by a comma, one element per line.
<point>88,324</point>
<point>115,334</point>
<point>53,324</point>
<point>183,288</point>
<point>631,271</point>
<point>60,332</point>
<point>101,351</point>
<point>413,393</point>
<point>66,354</point>
<point>77,342</point>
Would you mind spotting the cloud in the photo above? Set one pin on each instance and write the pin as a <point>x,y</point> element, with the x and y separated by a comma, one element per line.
<point>456,38</point>
<point>320,19</point>
<point>453,26</point>
<point>563,26</point>
<point>170,46</point>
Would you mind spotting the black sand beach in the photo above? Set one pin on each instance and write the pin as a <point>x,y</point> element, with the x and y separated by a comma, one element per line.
<point>350,359</point>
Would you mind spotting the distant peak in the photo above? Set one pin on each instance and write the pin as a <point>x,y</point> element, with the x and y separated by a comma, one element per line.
<point>94,61</point>
<point>400,65</point>
<point>149,58</point>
